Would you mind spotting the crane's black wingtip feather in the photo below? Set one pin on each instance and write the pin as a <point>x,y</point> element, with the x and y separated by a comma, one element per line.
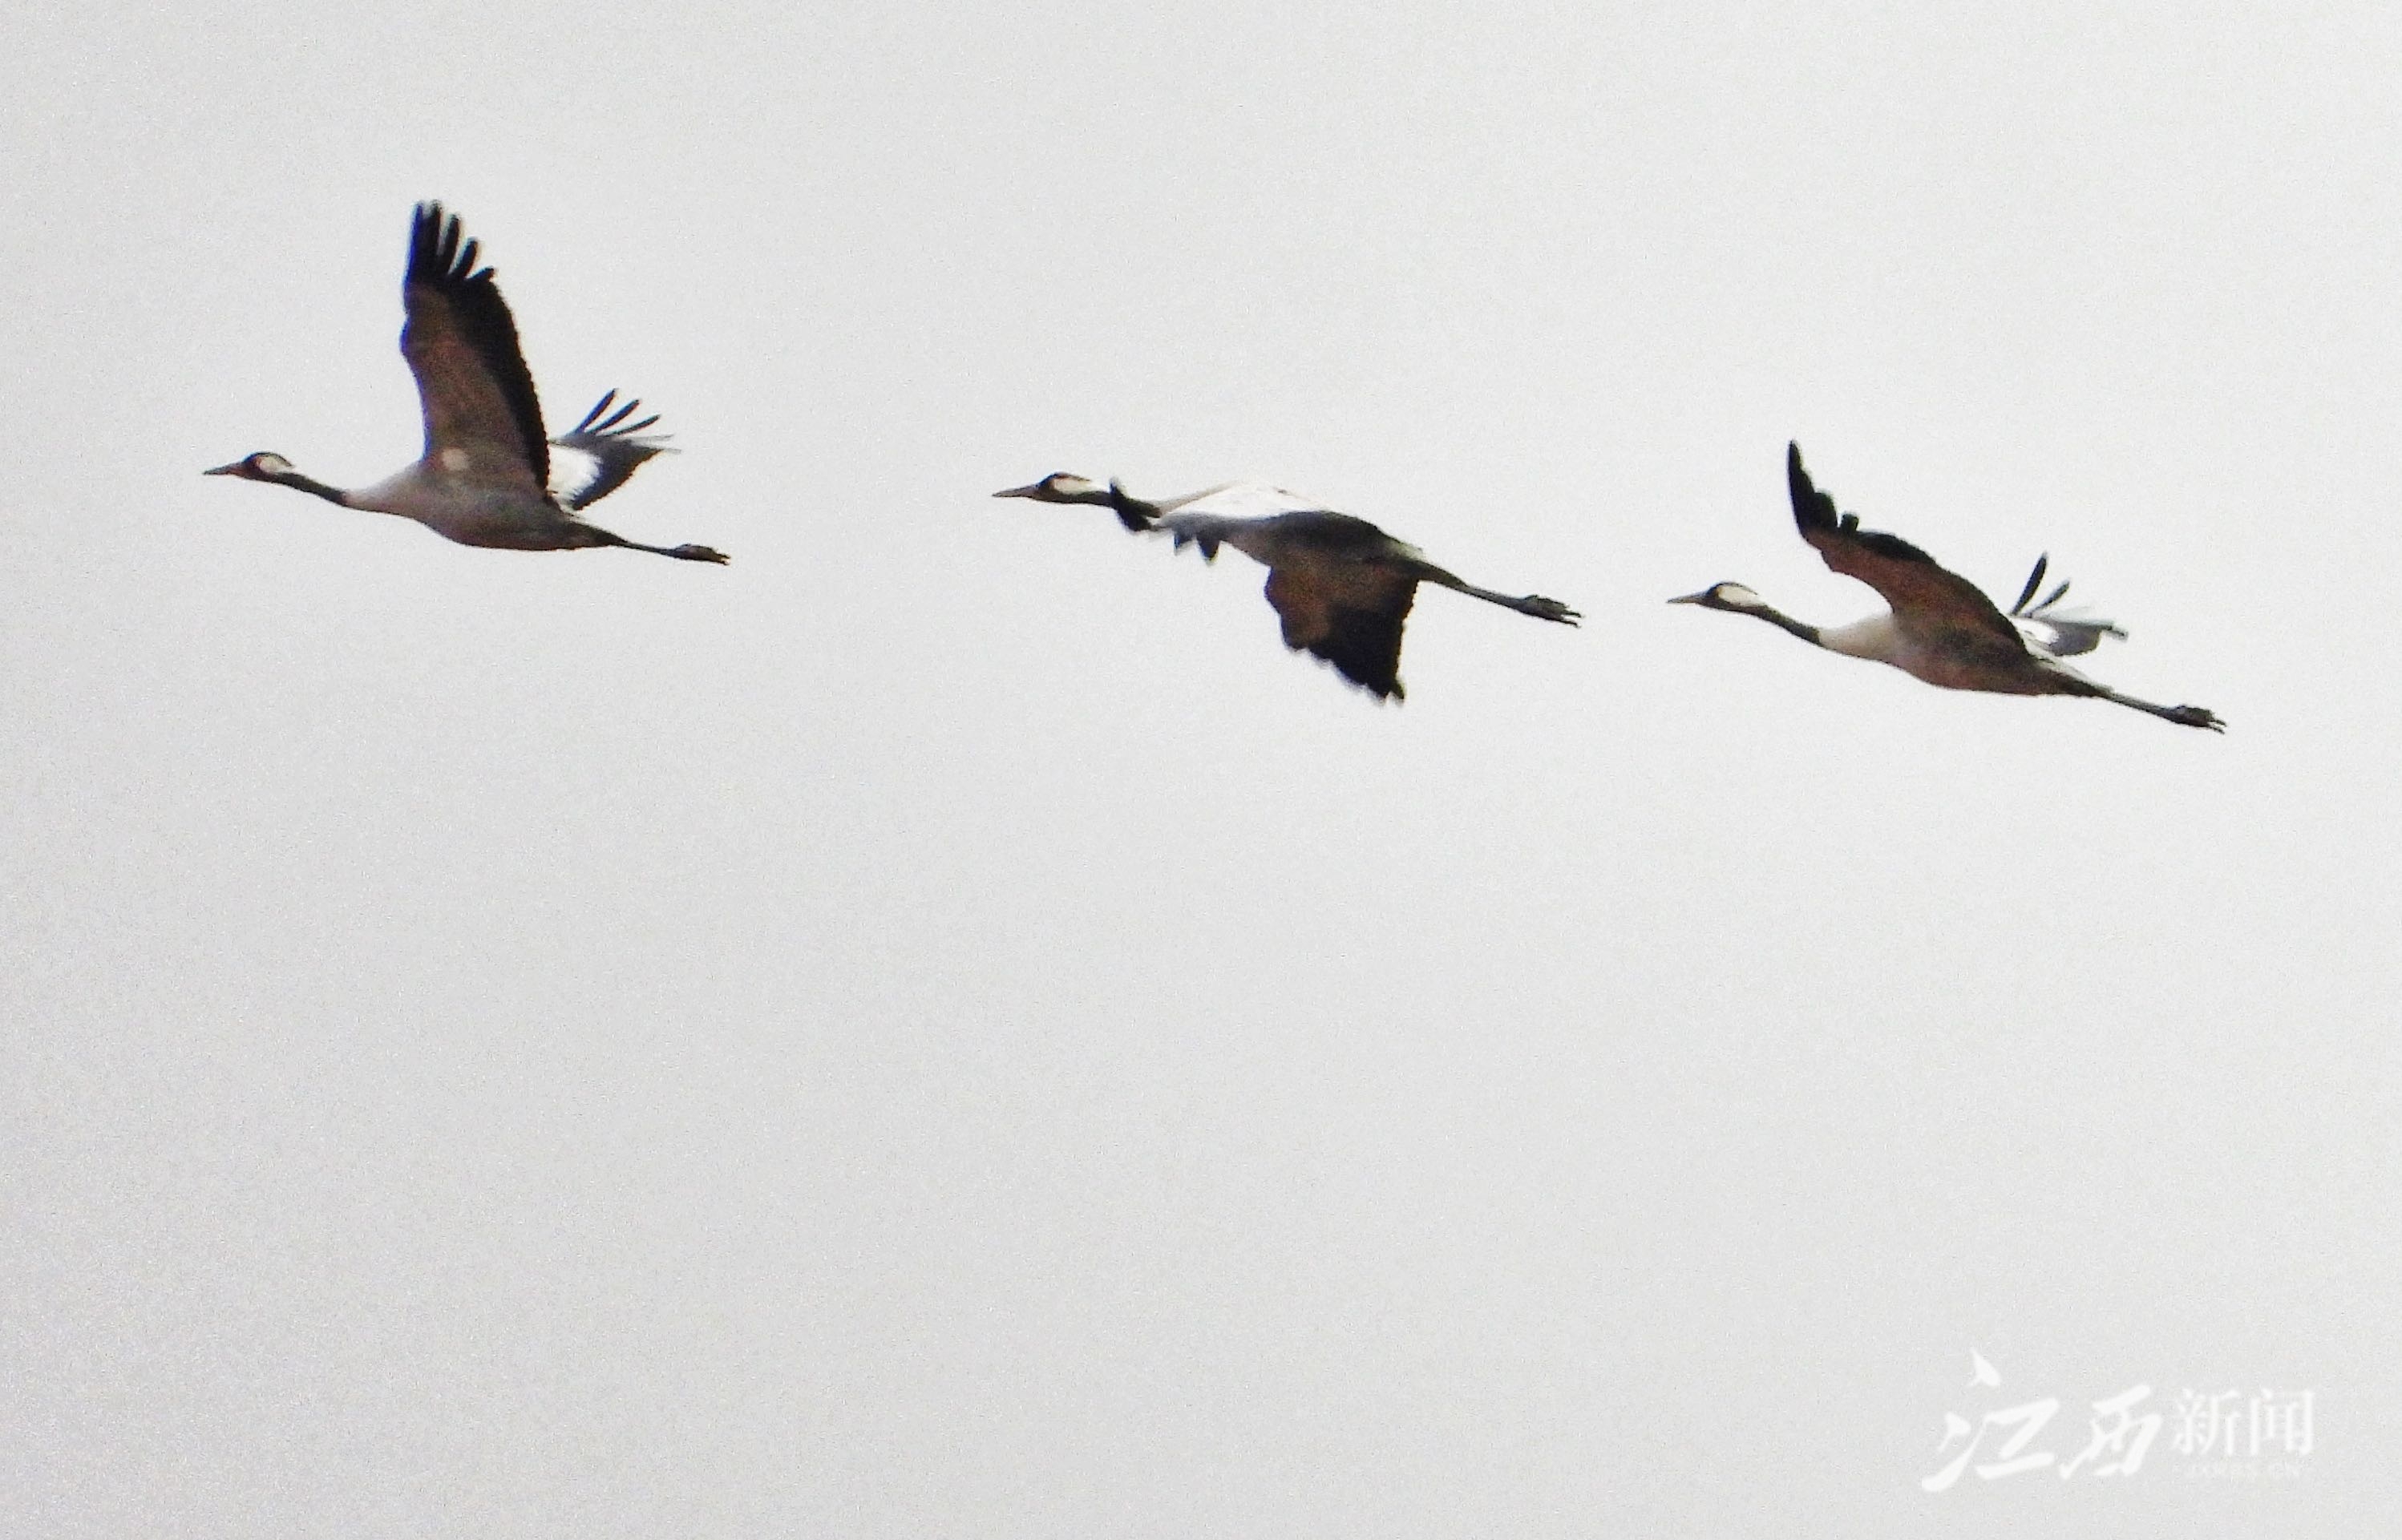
<point>1365,647</point>
<point>1381,688</point>
<point>593,416</point>
<point>439,251</point>
<point>601,422</point>
<point>2035,581</point>
<point>1133,512</point>
<point>425,243</point>
<point>1813,510</point>
<point>615,447</point>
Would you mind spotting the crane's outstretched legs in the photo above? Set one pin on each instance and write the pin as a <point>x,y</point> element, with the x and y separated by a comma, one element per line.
<point>680,552</point>
<point>1530,604</point>
<point>2184,716</point>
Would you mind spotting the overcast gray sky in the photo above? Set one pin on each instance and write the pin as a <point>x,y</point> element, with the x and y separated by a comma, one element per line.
<point>944,1027</point>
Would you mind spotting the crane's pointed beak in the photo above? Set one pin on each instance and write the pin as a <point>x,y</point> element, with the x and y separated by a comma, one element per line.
<point>1692,598</point>
<point>234,469</point>
<point>1021,492</point>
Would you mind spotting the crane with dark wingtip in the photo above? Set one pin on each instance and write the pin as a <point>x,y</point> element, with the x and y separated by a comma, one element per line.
<point>1341,586</point>
<point>1941,627</point>
<point>485,477</point>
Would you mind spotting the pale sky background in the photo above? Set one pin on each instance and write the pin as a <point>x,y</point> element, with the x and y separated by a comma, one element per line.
<point>942,1028</point>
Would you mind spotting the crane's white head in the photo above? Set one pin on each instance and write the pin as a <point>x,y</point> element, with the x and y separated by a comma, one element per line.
<point>1061,487</point>
<point>1726,596</point>
<point>259,467</point>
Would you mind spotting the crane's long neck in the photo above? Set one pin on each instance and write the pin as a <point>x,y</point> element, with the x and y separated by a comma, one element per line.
<point>311,485</point>
<point>1139,513</point>
<point>1783,621</point>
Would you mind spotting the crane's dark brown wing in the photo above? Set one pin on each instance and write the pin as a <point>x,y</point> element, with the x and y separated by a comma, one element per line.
<point>1349,613</point>
<point>482,419</point>
<point>1929,603</point>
